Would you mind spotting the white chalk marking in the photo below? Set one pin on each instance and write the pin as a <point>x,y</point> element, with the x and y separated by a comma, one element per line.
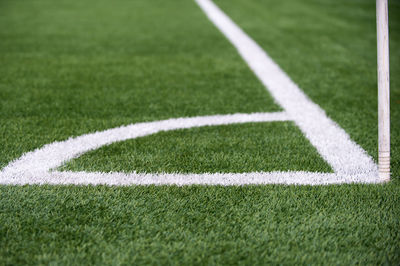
<point>36,167</point>
<point>332,142</point>
<point>350,162</point>
<point>224,179</point>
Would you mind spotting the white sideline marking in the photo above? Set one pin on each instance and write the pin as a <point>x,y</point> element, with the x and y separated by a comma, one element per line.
<point>349,161</point>
<point>224,179</point>
<point>331,141</point>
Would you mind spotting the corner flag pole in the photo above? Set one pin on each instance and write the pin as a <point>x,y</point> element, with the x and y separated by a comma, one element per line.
<point>383,90</point>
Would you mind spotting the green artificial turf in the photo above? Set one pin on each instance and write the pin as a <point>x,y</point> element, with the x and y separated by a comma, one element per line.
<point>73,67</point>
<point>348,224</point>
<point>253,147</point>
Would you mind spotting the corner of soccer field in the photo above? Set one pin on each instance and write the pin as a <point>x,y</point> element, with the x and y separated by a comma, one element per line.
<point>195,132</point>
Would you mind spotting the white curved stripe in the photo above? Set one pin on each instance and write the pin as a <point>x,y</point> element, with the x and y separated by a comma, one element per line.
<point>331,141</point>
<point>39,162</point>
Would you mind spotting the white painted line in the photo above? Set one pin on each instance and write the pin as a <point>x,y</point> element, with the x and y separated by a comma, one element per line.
<point>224,179</point>
<point>36,167</point>
<point>40,162</point>
<point>349,161</point>
<point>331,141</point>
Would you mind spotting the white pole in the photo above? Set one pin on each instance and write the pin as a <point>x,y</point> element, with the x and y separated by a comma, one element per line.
<point>383,90</point>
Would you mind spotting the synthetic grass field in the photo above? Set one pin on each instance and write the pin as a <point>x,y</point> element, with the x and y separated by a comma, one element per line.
<point>75,67</point>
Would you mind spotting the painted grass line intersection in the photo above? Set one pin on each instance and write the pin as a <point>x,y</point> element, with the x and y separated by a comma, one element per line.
<point>351,164</point>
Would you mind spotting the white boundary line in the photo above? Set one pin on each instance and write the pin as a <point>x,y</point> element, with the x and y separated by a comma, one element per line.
<point>223,179</point>
<point>36,167</point>
<point>332,142</point>
<point>56,154</point>
<point>350,162</point>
